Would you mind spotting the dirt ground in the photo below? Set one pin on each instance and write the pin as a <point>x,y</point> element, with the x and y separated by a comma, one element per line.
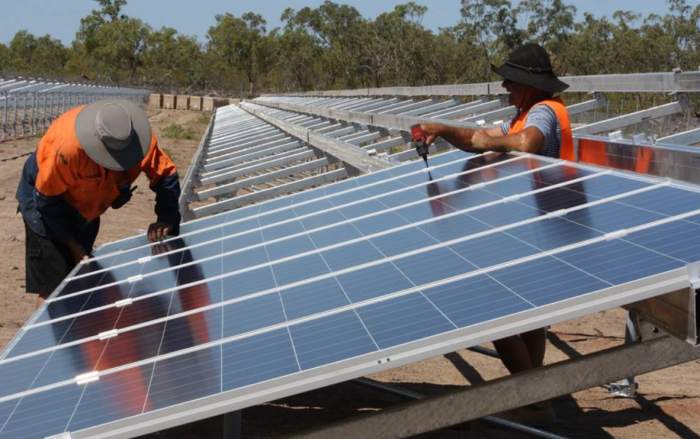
<point>668,403</point>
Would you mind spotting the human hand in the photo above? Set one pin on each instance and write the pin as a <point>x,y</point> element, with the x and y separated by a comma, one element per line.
<point>431,130</point>
<point>158,230</point>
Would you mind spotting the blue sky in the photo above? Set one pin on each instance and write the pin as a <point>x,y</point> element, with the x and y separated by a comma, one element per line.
<point>61,18</point>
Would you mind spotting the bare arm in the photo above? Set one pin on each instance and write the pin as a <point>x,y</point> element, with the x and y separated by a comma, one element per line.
<point>528,140</point>
<point>486,139</point>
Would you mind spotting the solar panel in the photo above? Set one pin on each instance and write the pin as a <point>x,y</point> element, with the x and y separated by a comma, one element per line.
<point>337,282</point>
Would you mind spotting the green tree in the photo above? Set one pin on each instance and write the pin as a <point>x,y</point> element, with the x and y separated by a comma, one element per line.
<point>493,26</point>
<point>4,60</point>
<point>42,56</point>
<point>241,46</point>
<point>109,45</point>
<point>171,62</point>
<point>340,31</point>
<point>400,50</point>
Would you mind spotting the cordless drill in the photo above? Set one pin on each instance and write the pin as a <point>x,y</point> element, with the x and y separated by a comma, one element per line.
<point>418,138</point>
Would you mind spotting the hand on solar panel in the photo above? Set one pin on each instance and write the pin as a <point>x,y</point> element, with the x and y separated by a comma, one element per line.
<point>158,230</point>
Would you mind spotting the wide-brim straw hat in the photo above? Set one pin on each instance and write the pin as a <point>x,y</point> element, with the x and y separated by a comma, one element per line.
<point>530,65</point>
<point>114,133</point>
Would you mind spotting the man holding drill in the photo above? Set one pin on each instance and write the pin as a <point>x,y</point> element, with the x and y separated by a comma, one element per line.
<point>84,164</point>
<point>540,127</point>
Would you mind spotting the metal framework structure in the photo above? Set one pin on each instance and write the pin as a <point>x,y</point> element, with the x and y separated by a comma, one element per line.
<point>340,125</point>
<point>28,106</point>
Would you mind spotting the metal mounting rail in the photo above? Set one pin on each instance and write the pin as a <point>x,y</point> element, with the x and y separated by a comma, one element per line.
<point>386,121</point>
<point>513,391</point>
<point>354,156</point>
<point>659,82</point>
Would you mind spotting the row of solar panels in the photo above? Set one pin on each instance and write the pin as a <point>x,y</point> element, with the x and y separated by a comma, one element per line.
<point>27,106</point>
<point>271,162</point>
<point>337,282</point>
<point>494,112</point>
<point>316,287</point>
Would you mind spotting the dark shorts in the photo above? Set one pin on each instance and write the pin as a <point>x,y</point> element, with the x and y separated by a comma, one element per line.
<point>48,262</point>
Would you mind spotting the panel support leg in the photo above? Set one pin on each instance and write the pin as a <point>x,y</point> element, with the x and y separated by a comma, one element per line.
<point>232,425</point>
<point>627,387</point>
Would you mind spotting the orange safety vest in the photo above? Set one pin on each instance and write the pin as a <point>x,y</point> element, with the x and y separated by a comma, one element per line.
<point>566,148</point>
<point>65,169</point>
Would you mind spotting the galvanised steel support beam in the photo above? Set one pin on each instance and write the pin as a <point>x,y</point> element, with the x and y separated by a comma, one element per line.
<point>232,152</point>
<point>354,135</point>
<point>661,82</point>
<point>233,172</point>
<point>404,106</point>
<point>191,176</point>
<point>507,113</point>
<point>423,110</point>
<point>241,158</point>
<point>541,384</point>
<point>336,134</point>
<point>262,178</point>
<point>387,121</point>
<point>236,138</point>
<point>385,144</point>
<point>376,103</point>
<point>250,150</point>
<point>630,119</point>
<point>283,189</point>
<point>468,108</point>
<point>248,142</point>
<point>356,158</point>
<point>690,137</point>
<point>331,128</point>
<point>368,137</point>
<point>503,113</point>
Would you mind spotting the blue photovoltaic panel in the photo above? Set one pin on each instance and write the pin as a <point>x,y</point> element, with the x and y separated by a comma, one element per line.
<point>343,273</point>
<point>279,203</point>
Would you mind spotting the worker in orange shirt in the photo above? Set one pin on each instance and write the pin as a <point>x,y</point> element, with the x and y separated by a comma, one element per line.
<point>84,164</point>
<point>541,127</point>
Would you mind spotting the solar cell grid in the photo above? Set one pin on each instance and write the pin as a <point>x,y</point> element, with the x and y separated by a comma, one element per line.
<point>291,269</point>
<point>337,251</point>
<point>344,276</point>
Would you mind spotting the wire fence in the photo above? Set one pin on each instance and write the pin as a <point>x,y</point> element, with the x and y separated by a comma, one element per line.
<point>28,106</point>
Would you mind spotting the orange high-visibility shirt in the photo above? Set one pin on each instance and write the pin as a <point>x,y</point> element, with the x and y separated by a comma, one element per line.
<point>65,169</point>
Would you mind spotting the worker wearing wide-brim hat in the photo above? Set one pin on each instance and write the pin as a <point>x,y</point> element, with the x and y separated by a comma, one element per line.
<point>84,164</point>
<point>541,125</point>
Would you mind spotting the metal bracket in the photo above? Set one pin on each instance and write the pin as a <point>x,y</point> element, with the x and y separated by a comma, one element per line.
<point>682,98</point>
<point>677,313</point>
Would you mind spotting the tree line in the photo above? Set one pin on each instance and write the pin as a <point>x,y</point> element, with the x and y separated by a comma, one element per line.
<point>334,46</point>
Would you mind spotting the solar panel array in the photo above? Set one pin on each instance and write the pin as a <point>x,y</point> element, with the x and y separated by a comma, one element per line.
<point>28,106</point>
<point>257,300</point>
<point>333,283</point>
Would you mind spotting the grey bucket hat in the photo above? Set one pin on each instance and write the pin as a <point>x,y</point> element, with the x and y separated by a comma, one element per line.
<point>114,133</point>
